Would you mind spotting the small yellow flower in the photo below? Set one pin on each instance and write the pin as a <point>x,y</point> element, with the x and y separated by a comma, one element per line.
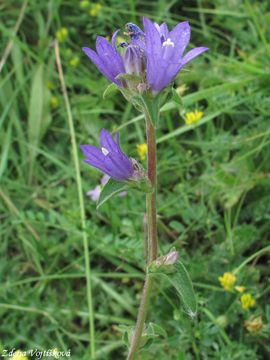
<point>254,325</point>
<point>84,4</point>
<point>95,10</point>
<point>142,151</point>
<point>193,117</point>
<point>54,102</point>
<point>74,61</point>
<point>62,34</point>
<point>247,301</point>
<point>18,355</point>
<point>240,289</point>
<point>227,280</point>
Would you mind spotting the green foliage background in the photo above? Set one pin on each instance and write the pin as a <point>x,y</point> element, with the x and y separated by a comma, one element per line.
<point>213,195</point>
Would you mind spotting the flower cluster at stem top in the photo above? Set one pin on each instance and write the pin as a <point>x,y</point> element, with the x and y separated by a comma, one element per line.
<point>151,57</point>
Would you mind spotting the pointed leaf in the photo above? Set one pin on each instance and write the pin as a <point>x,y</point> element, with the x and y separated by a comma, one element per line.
<point>179,278</point>
<point>181,281</point>
<point>112,188</point>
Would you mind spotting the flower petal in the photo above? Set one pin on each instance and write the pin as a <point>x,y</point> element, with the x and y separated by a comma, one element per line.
<point>192,54</point>
<point>165,75</point>
<point>93,56</point>
<point>110,56</point>
<point>180,36</point>
<point>163,31</point>
<point>106,141</point>
<point>94,193</point>
<point>152,37</point>
<point>118,166</point>
<point>92,151</point>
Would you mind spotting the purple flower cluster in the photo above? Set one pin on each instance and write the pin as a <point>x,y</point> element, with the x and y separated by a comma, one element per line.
<point>156,54</point>
<point>110,159</point>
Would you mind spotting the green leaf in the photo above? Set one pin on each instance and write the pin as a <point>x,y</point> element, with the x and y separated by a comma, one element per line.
<point>112,188</point>
<point>180,280</point>
<point>111,89</point>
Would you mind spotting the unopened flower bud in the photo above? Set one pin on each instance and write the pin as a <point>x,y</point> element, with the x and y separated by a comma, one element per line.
<point>165,262</point>
<point>134,61</point>
<point>171,258</point>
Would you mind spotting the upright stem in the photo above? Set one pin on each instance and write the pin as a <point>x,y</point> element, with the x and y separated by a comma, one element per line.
<point>152,236</point>
<point>151,197</point>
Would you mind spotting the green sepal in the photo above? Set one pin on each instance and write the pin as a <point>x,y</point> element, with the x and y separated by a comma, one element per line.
<point>179,278</point>
<point>142,185</point>
<point>111,89</point>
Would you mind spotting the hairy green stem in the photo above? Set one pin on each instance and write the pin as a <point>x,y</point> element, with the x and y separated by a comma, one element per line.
<point>151,219</point>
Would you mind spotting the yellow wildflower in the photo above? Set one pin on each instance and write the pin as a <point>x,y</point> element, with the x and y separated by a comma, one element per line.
<point>254,325</point>
<point>227,280</point>
<point>193,117</point>
<point>240,289</point>
<point>84,4</point>
<point>142,151</point>
<point>54,102</point>
<point>19,355</point>
<point>62,34</point>
<point>95,9</point>
<point>247,301</point>
<point>74,61</point>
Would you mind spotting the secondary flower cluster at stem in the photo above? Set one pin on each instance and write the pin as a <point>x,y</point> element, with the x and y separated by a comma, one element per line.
<point>154,56</point>
<point>109,158</point>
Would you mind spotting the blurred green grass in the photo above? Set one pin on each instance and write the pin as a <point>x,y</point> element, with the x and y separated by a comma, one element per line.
<point>214,183</point>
